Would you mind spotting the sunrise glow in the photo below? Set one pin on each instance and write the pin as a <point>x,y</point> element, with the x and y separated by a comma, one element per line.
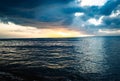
<point>18,31</point>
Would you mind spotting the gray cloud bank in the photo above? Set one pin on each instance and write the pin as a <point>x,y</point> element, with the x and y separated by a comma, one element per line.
<point>61,12</point>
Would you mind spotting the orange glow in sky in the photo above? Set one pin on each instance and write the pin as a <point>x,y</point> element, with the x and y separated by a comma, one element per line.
<point>12,30</point>
<point>60,32</point>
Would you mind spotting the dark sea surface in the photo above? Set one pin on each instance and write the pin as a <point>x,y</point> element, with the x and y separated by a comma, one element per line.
<point>73,59</point>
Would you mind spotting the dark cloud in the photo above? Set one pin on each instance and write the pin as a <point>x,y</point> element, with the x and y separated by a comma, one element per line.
<point>109,7</point>
<point>59,12</point>
<point>112,22</point>
<point>105,10</point>
<point>40,10</point>
<point>71,10</point>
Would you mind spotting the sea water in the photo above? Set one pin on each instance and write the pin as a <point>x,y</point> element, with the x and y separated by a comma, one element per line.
<point>60,59</point>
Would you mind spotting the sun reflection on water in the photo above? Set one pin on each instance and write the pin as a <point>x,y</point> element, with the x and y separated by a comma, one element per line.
<point>93,56</point>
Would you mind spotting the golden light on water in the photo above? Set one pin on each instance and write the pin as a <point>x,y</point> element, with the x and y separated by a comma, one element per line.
<point>11,30</point>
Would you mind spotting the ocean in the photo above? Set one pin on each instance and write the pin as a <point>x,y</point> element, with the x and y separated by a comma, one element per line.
<point>60,59</point>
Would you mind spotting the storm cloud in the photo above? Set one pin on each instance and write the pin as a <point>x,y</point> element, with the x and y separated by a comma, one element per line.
<point>55,13</point>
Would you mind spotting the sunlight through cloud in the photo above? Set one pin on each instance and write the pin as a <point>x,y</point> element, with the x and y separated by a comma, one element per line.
<point>91,2</point>
<point>77,14</point>
<point>95,21</point>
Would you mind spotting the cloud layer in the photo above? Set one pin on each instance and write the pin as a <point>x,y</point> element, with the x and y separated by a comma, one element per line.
<point>12,30</point>
<point>80,15</point>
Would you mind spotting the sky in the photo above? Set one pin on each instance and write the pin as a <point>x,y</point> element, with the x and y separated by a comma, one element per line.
<point>59,18</point>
